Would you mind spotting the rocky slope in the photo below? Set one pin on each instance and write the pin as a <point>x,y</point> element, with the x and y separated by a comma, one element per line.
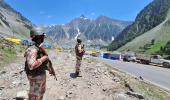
<point>12,23</point>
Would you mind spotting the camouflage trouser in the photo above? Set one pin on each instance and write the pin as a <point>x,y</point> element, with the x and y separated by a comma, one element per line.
<point>37,87</point>
<point>78,64</point>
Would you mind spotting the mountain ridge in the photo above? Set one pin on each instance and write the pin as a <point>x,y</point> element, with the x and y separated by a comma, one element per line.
<point>99,30</point>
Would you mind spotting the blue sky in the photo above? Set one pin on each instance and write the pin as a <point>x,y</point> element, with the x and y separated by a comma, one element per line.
<point>62,11</point>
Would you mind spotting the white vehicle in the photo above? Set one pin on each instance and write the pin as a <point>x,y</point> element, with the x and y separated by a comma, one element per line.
<point>157,59</point>
<point>154,59</point>
<point>129,56</point>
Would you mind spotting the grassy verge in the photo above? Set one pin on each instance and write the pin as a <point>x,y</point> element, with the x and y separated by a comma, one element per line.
<point>150,91</point>
<point>7,56</point>
<point>7,52</point>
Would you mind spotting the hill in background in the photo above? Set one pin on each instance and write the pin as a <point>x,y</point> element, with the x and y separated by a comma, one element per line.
<point>151,25</point>
<point>151,41</point>
<point>12,23</point>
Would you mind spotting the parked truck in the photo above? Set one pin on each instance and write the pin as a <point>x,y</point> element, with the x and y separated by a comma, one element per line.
<point>129,56</point>
<point>152,59</point>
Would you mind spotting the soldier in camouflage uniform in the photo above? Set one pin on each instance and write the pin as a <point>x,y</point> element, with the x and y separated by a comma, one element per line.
<point>35,66</point>
<point>79,51</point>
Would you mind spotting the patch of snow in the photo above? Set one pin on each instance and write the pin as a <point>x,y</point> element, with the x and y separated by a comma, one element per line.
<point>88,41</point>
<point>77,34</point>
<point>100,40</point>
<point>113,38</point>
<point>52,25</point>
<point>83,18</point>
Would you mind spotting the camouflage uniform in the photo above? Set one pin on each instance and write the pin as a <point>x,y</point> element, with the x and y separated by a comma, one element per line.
<point>37,87</point>
<point>36,75</point>
<point>79,55</point>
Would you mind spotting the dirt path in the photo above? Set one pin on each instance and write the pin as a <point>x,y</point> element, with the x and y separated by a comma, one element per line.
<point>96,83</point>
<point>88,87</point>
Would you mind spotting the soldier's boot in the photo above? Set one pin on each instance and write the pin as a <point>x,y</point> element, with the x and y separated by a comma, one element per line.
<point>78,72</point>
<point>79,75</point>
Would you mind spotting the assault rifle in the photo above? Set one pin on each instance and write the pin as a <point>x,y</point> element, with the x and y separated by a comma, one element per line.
<point>49,66</point>
<point>51,70</point>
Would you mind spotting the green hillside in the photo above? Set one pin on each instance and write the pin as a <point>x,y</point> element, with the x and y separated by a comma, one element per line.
<point>150,17</point>
<point>151,41</point>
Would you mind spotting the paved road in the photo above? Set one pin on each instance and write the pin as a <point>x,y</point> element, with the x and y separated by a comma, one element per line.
<point>157,75</point>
